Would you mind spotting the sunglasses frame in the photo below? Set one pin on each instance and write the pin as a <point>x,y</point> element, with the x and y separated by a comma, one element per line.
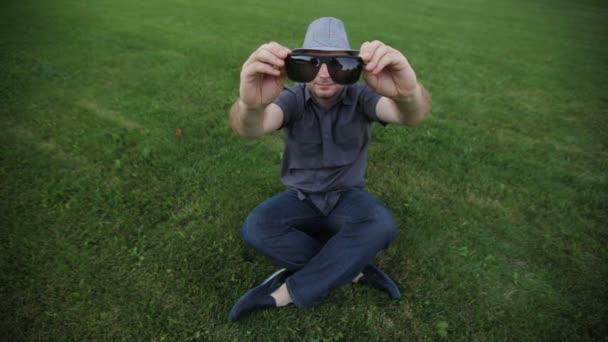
<point>320,60</point>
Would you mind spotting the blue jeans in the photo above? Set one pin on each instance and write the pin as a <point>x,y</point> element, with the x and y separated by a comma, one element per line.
<point>286,229</point>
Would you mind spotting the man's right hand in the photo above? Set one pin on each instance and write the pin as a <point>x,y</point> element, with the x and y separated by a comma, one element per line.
<point>263,76</point>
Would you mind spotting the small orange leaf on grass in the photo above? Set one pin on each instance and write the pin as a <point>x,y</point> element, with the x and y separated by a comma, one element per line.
<point>178,132</point>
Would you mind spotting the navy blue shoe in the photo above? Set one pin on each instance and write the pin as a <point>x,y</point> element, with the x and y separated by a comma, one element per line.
<point>259,297</point>
<point>375,277</point>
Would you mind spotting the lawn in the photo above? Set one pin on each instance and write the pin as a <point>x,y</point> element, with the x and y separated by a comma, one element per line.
<point>113,227</point>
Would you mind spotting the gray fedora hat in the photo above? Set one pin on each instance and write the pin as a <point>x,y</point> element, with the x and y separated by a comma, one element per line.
<point>326,34</point>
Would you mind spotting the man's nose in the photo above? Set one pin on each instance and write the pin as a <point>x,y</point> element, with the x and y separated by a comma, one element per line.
<point>323,72</point>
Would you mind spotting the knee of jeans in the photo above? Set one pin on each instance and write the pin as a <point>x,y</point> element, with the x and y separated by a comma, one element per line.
<point>250,231</point>
<point>384,227</point>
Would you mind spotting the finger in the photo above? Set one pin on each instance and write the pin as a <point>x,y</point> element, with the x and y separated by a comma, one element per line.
<point>389,58</point>
<point>368,49</point>
<point>265,56</point>
<point>270,53</point>
<point>277,49</point>
<point>370,79</point>
<point>364,51</point>
<point>378,54</point>
<point>280,80</point>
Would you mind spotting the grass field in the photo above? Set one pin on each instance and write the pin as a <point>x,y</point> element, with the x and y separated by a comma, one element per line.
<point>115,228</point>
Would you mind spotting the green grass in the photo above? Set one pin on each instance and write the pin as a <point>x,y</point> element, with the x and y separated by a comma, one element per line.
<point>112,227</point>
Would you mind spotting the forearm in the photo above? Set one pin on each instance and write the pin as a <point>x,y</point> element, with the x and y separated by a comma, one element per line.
<point>414,107</point>
<point>246,122</point>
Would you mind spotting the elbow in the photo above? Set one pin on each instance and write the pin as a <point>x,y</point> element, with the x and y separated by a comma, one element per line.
<point>413,123</point>
<point>249,135</point>
<point>243,133</point>
<point>238,127</point>
<point>418,118</point>
<point>422,111</point>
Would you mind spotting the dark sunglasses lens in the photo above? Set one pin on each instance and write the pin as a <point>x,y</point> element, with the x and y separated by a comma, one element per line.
<point>301,68</point>
<point>345,70</point>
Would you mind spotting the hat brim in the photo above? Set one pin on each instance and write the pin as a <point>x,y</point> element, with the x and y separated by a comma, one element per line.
<point>326,49</point>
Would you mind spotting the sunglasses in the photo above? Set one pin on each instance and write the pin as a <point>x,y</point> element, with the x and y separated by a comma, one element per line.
<point>303,68</point>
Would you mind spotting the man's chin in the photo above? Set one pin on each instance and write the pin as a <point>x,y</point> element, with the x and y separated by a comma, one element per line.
<point>326,91</point>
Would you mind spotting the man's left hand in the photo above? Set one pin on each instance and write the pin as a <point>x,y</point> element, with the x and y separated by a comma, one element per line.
<point>387,71</point>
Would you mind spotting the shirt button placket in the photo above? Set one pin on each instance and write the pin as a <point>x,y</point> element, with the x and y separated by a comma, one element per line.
<point>327,138</point>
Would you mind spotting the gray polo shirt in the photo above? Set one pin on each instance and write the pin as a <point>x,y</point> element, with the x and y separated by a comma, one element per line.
<point>325,150</point>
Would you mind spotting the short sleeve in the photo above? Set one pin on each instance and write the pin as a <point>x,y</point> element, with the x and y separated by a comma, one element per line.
<point>288,102</point>
<point>368,100</point>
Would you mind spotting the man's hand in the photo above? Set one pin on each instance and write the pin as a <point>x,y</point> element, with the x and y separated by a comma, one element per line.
<point>404,101</point>
<point>262,79</point>
<point>387,71</point>
<point>263,76</point>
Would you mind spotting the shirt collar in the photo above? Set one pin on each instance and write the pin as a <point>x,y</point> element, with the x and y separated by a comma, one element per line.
<point>341,98</point>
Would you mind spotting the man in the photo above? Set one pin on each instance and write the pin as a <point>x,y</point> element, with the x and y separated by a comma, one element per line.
<point>326,119</point>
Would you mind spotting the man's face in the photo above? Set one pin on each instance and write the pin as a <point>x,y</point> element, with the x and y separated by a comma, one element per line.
<point>323,87</point>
